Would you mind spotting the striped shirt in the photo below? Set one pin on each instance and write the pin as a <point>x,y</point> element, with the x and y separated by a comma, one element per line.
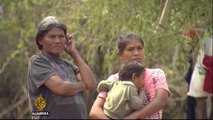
<point>153,79</point>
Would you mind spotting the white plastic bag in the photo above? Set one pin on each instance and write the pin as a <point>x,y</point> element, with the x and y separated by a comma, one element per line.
<point>197,79</point>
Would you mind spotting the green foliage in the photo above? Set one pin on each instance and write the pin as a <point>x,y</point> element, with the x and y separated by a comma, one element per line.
<point>95,25</point>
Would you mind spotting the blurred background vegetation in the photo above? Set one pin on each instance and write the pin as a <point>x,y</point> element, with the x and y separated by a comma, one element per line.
<point>95,24</point>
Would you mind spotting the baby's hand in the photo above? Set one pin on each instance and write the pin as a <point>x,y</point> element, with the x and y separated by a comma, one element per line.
<point>142,91</point>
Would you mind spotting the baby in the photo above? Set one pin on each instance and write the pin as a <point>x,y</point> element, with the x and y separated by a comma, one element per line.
<point>123,96</point>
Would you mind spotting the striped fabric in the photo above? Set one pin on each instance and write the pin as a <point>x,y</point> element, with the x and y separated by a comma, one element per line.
<point>153,80</point>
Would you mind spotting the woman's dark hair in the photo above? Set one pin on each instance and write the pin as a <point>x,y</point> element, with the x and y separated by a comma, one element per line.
<point>46,25</point>
<point>124,38</point>
<point>126,71</point>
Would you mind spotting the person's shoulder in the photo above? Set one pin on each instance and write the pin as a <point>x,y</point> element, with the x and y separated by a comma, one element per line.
<point>107,81</point>
<point>127,83</point>
<point>35,56</point>
<point>113,77</point>
<point>38,57</point>
<point>154,70</point>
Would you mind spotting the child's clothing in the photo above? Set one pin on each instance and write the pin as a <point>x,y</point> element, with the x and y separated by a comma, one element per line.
<point>122,99</point>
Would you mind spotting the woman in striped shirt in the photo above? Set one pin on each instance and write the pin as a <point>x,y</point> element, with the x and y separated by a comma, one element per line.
<point>131,48</point>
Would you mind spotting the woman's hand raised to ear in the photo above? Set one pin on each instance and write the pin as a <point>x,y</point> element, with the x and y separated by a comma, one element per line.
<point>70,46</point>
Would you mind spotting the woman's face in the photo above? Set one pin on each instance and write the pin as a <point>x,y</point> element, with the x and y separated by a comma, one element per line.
<point>134,50</point>
<point>53,42</point>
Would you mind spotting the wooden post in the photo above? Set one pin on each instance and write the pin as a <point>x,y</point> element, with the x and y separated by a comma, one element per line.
<point>164,15</point>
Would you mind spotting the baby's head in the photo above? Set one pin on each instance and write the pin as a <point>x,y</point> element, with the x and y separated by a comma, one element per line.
<point>132,71</point>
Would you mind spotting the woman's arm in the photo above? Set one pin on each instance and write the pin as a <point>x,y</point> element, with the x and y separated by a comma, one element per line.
<point>85,92</point>
<point>157,104</point>
<point>97,111</point>
<point>61,87</point>
<point>87,75</point>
